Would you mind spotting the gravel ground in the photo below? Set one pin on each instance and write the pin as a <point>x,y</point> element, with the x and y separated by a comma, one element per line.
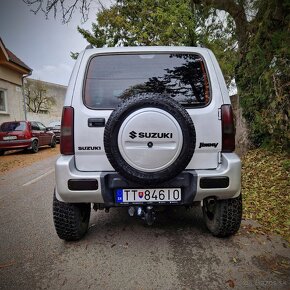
<point>19,159</point>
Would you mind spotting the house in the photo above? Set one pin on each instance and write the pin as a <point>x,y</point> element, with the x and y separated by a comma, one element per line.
<point>12,72</point>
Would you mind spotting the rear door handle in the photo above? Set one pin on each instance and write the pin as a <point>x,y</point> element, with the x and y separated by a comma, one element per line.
<point>96,122</point>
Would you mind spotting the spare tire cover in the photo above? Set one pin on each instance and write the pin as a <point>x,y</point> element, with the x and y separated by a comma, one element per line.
<point>149,139</point>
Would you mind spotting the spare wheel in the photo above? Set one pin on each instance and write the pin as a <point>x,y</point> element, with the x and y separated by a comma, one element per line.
<point>149,139</point>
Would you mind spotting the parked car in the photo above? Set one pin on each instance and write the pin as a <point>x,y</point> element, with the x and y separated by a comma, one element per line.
<point>147,128</point>
<point>25,135</point>
<point>55,128</point>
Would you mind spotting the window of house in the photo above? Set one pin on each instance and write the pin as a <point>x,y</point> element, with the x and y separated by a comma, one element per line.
<point>3,101</point>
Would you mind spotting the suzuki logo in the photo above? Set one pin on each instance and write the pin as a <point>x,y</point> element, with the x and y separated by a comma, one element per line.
<point>133,134</point>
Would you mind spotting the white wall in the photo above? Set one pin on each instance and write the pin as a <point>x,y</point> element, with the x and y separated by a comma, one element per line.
<point>14,103</point>
<point>58,93</point>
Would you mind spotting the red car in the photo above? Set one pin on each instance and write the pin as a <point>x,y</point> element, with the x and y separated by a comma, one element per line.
<point>25,135</point>
<point>55,128</point>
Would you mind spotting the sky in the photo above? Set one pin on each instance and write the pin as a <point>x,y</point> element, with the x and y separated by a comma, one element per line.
<point>43,44</point>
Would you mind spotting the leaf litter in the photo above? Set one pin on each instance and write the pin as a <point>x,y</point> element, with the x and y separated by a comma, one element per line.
<point>266,188</point>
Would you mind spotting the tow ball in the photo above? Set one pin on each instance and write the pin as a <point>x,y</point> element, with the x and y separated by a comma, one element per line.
<point>146,213</point>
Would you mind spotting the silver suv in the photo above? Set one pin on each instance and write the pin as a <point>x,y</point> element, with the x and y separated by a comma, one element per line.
<point>145,128</point>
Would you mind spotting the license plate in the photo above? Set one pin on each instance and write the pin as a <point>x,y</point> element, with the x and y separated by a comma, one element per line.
<point>9,138</point>
<point>148,195</point>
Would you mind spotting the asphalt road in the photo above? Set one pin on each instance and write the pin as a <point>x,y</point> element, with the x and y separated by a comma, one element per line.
<point>120,252</point>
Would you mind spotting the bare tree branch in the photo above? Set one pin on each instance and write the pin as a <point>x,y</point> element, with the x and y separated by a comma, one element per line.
<point>65,8</point>
<point>37,99</point>
<point>237,11</point>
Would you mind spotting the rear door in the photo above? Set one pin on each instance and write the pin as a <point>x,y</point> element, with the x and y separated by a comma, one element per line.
<point>185,76</point>
<point>44,135</point>
<point>36,132</point>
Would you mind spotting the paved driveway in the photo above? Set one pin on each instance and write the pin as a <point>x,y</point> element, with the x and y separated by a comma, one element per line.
<point>120,252</point>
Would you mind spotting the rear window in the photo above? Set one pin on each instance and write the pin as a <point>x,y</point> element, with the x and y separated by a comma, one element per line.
<point>113,78</point>
<point>13,126</point>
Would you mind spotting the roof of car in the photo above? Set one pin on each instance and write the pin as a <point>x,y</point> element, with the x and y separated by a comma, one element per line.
<point>15,121</point>
<point>157,49</point>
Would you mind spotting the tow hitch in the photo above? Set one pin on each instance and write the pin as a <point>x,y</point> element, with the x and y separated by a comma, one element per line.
<point>146,213</point>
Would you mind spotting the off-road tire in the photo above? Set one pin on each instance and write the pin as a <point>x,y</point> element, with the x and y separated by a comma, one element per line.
<point>53,143</point>
<point>224,218</point>
<point>2,152</point>
<point>71,220</point>
<point>122,112</point>
<point>34,146</point>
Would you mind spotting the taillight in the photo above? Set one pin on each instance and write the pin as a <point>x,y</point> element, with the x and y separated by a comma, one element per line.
<point>228,129</point>
<point>67,131</point>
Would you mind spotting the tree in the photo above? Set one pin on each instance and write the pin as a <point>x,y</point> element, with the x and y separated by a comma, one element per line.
<point>148,22</point>
<point>263,67</point>
<point>37,100</point>
<point>151,22</point>
<point>65,7</point>
<point>249,39</point>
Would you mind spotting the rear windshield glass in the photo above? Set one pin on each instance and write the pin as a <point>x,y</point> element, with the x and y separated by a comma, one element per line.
<point>113,78</point>
<point>13,126</point>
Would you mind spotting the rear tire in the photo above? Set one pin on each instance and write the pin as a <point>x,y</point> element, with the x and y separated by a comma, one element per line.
<point>53,142</point>
<point>223,217</point>
<point>71,220</point>
<point>34,146</point>
<point>2,152</point>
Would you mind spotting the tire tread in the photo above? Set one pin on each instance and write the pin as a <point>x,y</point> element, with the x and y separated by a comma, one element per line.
<point>66,217</point>
<point>227,218</point>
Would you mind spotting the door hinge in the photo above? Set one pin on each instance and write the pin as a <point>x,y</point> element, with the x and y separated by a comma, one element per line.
<point>219,113</point>
<point>220,158</point>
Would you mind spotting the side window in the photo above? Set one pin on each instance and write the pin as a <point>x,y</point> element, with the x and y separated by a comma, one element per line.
<point>41,126</point>
<point>3,101</point>
<point>34,126</point>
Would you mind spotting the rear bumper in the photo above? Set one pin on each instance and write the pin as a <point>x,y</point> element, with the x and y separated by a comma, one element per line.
<point>15,144</point>
<point>98,187</point>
